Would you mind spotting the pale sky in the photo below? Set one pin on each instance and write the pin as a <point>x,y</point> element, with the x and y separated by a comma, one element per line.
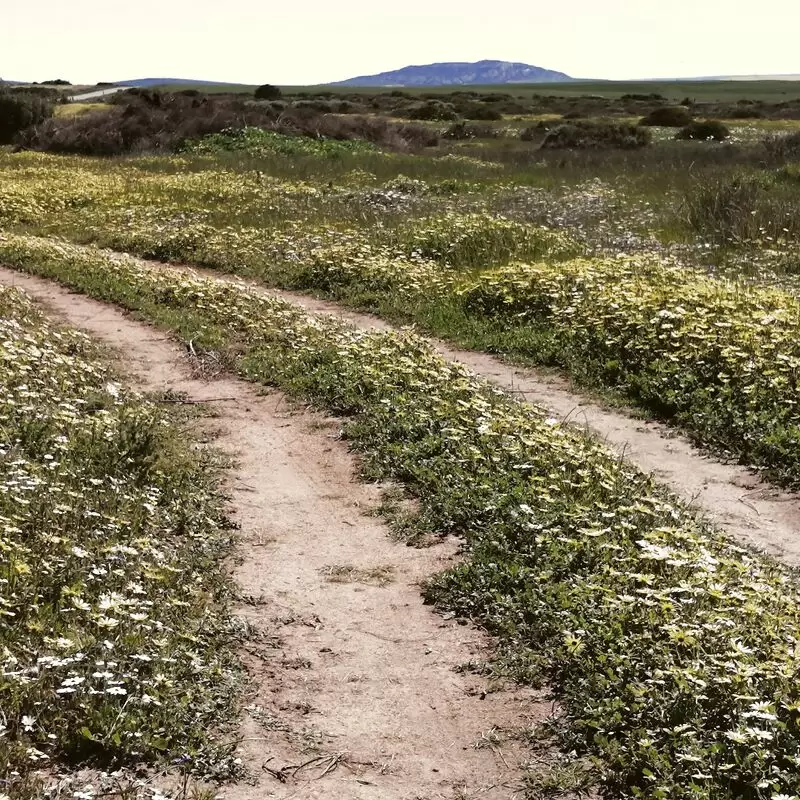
<point>313,41</point>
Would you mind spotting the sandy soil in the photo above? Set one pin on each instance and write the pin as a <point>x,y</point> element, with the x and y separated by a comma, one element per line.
<point>354,692</point>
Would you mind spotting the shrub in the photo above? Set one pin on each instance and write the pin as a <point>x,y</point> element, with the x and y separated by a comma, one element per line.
<point>478,111</point>
<point>746,113</point>
<point>268,92</point>
<point>783,147</point>
<point>590,135</point>
<point>537,132</point>
<point>433,110</point>
<point>704,130</point>
<point>668,117</point>
<point>348,107</point>
<point>322,106</point>
<point>21,111</point>
<point>45,92</point>
<point>461,131</point>
<point>153,122</point>
<point>644,97</point>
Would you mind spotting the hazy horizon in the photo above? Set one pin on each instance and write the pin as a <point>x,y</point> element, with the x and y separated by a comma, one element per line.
<point>317,43</point>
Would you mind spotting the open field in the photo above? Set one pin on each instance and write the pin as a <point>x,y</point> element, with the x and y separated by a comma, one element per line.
<point>73,109</point>
<point>209,88</point>
<point>644,585</point>
<point>712,90</point>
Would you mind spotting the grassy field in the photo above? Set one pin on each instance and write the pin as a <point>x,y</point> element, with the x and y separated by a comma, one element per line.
<point>73,109</point>
<point>579,564</point>
<point>405,236</point>
<point>209,88</point>
<point>661,274</point>
<point>704,90</point>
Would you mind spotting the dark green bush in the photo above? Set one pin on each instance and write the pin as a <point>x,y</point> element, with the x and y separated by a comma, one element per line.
<point>20,111</point>
<point>479,111</point>
<point>433,110</point>
<point>644,97</point>
<point>746,113</point>
<point>704,130</point>
<point>268,92</point>
<point>668,117</point>
<point>591,135</point>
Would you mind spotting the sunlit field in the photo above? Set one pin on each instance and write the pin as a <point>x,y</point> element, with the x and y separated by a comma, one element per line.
<point>653,271</point>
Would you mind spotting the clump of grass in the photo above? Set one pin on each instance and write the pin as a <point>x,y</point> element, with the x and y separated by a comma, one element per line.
<point>349,573</point>
<point>256,141</point>
<point>478,241</point>
<point>782,147</point>
<point>744,208</point>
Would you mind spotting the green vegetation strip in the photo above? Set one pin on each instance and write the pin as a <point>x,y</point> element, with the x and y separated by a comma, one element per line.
<point>674,652</point>
<point>719,358</point>
<point>114,635</point>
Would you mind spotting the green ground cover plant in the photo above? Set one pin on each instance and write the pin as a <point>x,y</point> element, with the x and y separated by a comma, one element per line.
<point>719,357</point>
<point>115,638</point>
<point>673,651</point>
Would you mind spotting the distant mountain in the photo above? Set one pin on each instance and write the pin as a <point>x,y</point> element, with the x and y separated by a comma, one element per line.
<point>459,73</point>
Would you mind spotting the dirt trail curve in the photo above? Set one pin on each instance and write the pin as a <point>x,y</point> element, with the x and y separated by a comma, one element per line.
<point>354,690</point>
<point>748,509</point>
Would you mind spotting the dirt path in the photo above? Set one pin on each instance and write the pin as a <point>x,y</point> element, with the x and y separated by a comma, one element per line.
<point>748,509</point>
<point>354,690</point>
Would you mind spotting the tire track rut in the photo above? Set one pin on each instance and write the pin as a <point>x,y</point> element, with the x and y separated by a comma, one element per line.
<point>750,510</point>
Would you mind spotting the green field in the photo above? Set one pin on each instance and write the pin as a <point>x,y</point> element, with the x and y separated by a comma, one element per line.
<point>714,90</point>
